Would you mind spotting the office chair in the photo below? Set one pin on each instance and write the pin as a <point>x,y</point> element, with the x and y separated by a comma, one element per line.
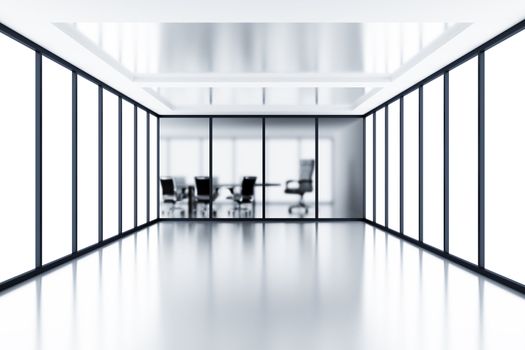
<point>181,187</point>
<point>301,186</point>
<point>202,185</point>
<point>170,196</point>
<point>245,196</point>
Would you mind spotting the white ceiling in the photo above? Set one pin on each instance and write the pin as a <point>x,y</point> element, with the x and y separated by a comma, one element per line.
<point>339,87</point>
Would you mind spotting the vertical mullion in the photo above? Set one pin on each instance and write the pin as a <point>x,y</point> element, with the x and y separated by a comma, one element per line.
<point>446,162</point>
<point>374,166</point>
<point>386,166</point>
<point>38,159</point>
<point>74,153</point>
<point>316,167</point>
<point>401,165</point>
<point>135,183</point>
<point>158,167</point>
<point>120,165</point>
<point>420,115</point>
<point>481,160</point>
<point>263,121</point>
<point>148,170</point>
<point>210,162</point>
<point>364,168</point>
<point>100,164</point>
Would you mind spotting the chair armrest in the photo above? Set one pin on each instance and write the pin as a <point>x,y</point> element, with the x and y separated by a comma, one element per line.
<point>292,184</point>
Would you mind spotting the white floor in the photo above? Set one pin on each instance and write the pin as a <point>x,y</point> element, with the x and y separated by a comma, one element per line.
<point>261,286</point>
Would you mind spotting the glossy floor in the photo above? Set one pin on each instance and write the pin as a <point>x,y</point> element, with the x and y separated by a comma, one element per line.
<point>261,286</point>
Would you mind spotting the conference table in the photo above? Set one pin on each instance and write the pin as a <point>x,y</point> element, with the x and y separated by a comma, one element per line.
<point>190,190</point>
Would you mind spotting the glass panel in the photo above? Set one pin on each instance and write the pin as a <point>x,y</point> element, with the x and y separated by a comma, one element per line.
<point>128,166</point>
<point>184,154</point>
<point>110,164</point>
<point>237,167</point>
<point>380,167</point>
<point>504,165</point>
<point>370,168</point>
<point>153,168</point>
<point>142,167</point>
<point>340,167</point>
<point>433,164</point>
<point>463,161</point>
<point>17,178</point>
<point>290,156</point>
<point>87,163</point>
<point>411,164</point>
<point>56,161</point>
<point>393,166</point>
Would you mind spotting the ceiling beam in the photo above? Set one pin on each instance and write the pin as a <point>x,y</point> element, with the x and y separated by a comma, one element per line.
<point>259,80</point>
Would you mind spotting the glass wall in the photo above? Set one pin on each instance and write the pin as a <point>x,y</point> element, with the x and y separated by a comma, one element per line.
<point>17,178</point>
<point>237,167</point>
<point>411,164</point>
<point>463,161</point>
<point>110,182</point>
<point>394,169</point>
<point>369,164</point>
<point>340,167</point>
<point>184,168</point>
<point>87,163</point>
<point>128,166</point>
<point>153,168</point>
<point>57,158</point>
<point>380,166</point>
<point>442,128</point>
<point>59,139</point>
<point>504,166</point>
<point>433,164</point>
<point>290,168</point>
<point>142,167</point>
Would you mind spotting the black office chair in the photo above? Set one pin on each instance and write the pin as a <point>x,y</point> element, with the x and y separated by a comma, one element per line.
<point>245,196</point>
<point>303,185</point>
<point>170,196</point>
<point>202,185</point>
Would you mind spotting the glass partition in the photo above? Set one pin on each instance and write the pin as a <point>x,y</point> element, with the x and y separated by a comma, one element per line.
<point>369,167</point>
<point>433,166</point>
<point>17,178</point>
<point>128,166</point>
<point>380,166</point>
<point>87,163</point>
<point>504,166</point>
<point>237,167</point>
<point>340,167</point>
<point>142,167</point>
<point>154,193</point>
<point>290,167</point>
<point>57,167</point>
<point>110,164</point>
<point>411,164</point>
<point>184,168</point>
<point>463,161</point>
<point>394,166</point>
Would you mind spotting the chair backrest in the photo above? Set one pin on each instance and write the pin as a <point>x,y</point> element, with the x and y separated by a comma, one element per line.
<point>202,184</point>
<point>248,185</point>
<point>306,169</point>
<point>168,187</point>
<point>180,181</point>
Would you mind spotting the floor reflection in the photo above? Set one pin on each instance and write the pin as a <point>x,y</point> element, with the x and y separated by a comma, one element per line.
<point>261,286</point>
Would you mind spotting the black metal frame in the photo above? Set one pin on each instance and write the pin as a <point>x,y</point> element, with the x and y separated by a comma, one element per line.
<point>478,52</point>
<point>478,268</point>
<point>39,267</point>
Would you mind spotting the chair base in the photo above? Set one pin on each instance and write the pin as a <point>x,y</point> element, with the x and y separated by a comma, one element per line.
<point>298,205</point>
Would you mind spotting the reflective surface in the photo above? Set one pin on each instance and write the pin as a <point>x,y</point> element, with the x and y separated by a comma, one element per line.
<point>261,47</point>
<point>261,286</point>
